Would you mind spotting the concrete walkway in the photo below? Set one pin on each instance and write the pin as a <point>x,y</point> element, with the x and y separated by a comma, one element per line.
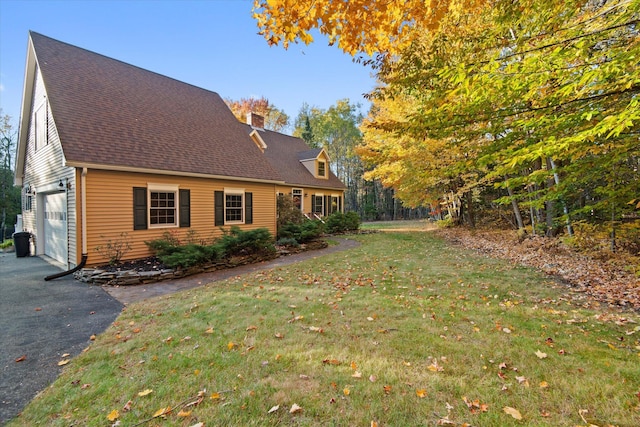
<point>129,294</point>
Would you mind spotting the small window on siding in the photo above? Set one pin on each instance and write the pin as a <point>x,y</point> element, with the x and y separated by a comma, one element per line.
<point>297,197</point>
<point>322,168</point>
<point>41,131</point>
<point>318,204</point>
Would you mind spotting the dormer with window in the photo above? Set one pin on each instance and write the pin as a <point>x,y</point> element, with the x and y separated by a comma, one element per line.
<point>316,161</point>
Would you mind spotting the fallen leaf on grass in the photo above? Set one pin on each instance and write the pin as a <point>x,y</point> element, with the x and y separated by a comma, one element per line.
<point>513,412</point>
<point>145,392</point>
<point>215,396</point>
<point>544,384</point>
<point>421,393</point>
<point>273,409</point>
<point>331,362</point>
<point>113,415</point>
<point>295,409</point>
<point>127,406</point>
<point>21,358</point>
<point>63,362</point>
<point>387,389</point>
<point>279,335</point>
<point>434,367</point>
<point>184,413</point>
<point>65,355</point>
<point>475,405</point>
<point>231,345</point>
<point>346,391</point>
<point>200,424</point>
<point>162,412</point>
<point>252,328</point>
<point>357,374</point>
<point>209,331</point>
<point>295,319</point>
<point>540,354</point>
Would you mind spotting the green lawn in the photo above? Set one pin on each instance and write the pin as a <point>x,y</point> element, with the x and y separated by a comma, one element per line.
<point>402,331</point>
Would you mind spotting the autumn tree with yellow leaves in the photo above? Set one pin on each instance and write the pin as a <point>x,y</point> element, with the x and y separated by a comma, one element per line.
<point>530,104</point>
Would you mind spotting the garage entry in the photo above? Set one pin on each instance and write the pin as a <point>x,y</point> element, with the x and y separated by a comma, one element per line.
<point>55,226</point>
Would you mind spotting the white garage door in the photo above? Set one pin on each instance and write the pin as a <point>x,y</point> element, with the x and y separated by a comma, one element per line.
<point>55,226</point>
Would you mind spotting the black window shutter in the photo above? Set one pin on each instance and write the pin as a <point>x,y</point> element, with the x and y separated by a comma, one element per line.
<point>219,208</point>
<point>327,205</point>
<point>139,208</point>
<point>313,204</point>
<point>185,208</point>
<point>248,208</point>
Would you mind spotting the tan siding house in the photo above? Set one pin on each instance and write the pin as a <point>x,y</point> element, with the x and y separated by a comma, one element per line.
<point>108,151</point>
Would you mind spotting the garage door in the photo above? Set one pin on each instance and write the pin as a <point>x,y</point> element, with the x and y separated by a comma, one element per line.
<point>55,226</point>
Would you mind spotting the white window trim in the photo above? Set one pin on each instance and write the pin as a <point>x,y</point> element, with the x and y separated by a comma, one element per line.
<point>322,212</point>
<point>40,126</point>
<point>234,192</point>
<point>326,174</point>
<point>163,188</point>
<point>301,197</point>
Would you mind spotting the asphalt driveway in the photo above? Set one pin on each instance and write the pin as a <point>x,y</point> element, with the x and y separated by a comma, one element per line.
<point>41,321</point>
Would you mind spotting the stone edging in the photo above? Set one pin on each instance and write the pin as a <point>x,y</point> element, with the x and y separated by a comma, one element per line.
<point>100,277</point>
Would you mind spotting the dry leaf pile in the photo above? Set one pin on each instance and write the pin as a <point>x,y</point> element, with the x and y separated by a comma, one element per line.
<point>607,281</point>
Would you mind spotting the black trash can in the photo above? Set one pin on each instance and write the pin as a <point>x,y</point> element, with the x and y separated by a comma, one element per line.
<point>21,242</point>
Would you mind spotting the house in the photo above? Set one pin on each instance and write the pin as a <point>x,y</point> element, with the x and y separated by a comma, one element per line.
<point>306,173</point>
<point>109,152</point>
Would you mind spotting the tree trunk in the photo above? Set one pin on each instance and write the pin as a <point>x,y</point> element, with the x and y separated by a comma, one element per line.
<point>516,209</point>
<point>470,209</point>
<point>556,179</point>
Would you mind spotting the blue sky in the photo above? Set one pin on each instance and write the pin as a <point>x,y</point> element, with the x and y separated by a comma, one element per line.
<point>212,44</point>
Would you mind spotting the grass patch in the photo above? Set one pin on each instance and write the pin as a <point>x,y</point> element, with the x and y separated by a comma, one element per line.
<point>403,330</point>
<point>417,224</point>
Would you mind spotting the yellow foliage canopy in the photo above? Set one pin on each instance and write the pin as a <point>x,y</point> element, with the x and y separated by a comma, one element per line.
<point>358,26</point>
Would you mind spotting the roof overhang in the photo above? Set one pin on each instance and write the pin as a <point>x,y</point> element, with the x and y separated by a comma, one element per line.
<point>116,168</point>
<point>27,94</point>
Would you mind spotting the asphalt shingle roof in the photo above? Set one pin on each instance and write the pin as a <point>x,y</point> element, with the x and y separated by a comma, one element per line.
<point>111,113</point>
<point>285,152</point>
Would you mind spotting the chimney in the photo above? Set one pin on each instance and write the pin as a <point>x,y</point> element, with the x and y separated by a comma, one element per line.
<point>255,120</point>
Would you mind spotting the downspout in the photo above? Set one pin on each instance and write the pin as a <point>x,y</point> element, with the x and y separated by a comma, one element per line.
<point>83,201</point>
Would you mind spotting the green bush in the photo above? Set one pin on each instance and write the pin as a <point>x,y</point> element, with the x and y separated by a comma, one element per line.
<point>234,242</point>
<point>338,222</point>
<point>302,233</point>
<point>164,245</point>
<point>238,242</point>
<point>310,230</point>
<point>288,241</point>
<point>352,221</point>
<point>190,255</point>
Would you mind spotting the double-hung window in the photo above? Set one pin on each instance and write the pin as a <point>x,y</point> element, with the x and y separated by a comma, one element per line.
<point>161,206</point>
<point>162,209</point>
<point>233,206</point>
<point>322,169</point>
